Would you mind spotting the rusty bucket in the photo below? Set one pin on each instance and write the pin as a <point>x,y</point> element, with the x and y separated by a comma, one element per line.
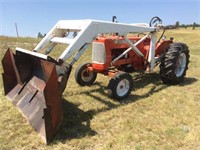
<point>31,83</point>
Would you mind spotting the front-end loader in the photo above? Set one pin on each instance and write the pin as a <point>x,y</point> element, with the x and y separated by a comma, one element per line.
<point>34,82</point>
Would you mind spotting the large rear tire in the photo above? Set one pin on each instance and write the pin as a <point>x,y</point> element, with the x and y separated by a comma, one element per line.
<point>83,76</point>
<point>120,86</point>
<point>174,65</point>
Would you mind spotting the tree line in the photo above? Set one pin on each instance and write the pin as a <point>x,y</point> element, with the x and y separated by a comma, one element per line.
<point>178,25</point>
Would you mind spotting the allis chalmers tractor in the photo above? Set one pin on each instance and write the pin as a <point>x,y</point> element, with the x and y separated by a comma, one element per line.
<point>34,82</point>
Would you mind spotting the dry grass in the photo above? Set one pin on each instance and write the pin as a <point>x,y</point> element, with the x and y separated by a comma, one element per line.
<point>155,116</point>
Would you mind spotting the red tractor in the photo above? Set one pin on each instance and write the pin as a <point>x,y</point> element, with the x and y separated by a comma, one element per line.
<point>34,82</point>
<point>172,57</point>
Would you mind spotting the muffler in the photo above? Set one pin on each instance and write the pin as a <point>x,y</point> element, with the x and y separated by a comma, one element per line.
<point>32,83</point>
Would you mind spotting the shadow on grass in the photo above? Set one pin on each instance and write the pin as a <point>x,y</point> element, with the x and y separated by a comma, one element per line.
<point>76,122</point>
<point>188,81</point>
<point>138,83</point>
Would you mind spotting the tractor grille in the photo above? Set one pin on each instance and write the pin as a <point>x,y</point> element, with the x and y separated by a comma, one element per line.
<point>98,53</point>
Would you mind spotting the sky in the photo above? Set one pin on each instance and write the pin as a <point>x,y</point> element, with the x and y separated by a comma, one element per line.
<point>33,16</point>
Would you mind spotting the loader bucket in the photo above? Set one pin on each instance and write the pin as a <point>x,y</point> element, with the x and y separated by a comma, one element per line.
<point>31,83</point>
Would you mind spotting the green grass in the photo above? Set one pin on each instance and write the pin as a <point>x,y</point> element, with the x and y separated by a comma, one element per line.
<point>155,116</point>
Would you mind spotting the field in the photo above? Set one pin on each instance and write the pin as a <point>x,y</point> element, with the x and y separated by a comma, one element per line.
<point>155,116</point>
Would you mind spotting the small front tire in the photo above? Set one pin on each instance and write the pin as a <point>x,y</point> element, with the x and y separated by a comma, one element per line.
<point>120,86</point>
<point>83,76</point>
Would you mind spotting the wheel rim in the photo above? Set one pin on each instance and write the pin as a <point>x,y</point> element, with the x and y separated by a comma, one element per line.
<point>86,75</point>
<point>123,87</point>
<point>180,64</point>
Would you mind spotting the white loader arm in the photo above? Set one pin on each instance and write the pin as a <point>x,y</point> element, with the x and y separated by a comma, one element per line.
<point>86,31</point>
